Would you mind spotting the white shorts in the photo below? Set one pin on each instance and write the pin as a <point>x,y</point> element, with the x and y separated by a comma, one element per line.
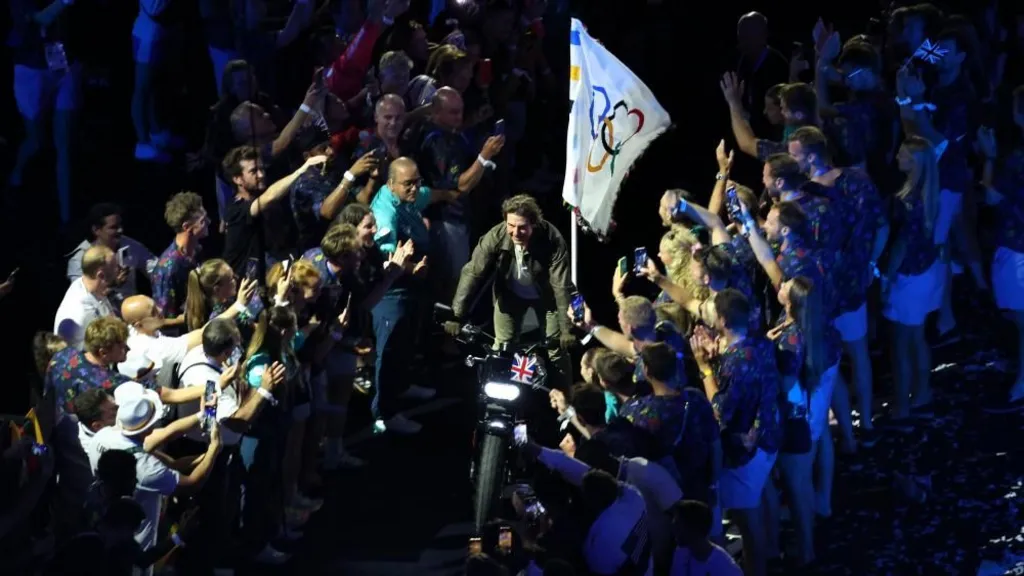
<point>740,488</point>
<point>853,326</point>
<point>40,90</point>
<point>1008,279</point>
<point>821,399</point>
<point>912,298</point>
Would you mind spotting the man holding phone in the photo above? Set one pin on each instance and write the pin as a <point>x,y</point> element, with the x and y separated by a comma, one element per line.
<point>528,261</point>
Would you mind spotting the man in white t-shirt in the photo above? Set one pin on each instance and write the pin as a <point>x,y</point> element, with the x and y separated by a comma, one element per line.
<point>696,554</point>
<point>221,341</point>
<point>148,349</point>
<point>86,298</point>
<point>138,412</point>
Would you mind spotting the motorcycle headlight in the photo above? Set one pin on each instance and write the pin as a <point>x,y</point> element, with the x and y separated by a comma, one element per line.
<point>501,391</point>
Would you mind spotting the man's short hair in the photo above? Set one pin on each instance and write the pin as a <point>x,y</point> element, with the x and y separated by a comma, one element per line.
<point>232,164</point>
<point>444,59</point>
<point>813,141</point>
<point>785,167</point>
<point>340,240</point>
<point>659,361</point>
<point>98,214</point>
<point>522,205</point>
<point>105,332</point>
<point>95,259</point>
<point>388,99</point>
<point>638,312</point>
<point>718,263</point>
<point>181,208</point>
<point>792,216</point>
<point>860,55</point>
<point>733,309</point>
<point>616,372</point>
<point>799,97</point>
<point>775,93</point>
<point>89,405</point>
<point>395,59</point>
<point>220,336</point>
<point>116,470</point>
<point>694,515</point>
<point>589,403</point>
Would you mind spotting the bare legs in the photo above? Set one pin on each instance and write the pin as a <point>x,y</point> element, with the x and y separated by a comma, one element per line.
<point>860,362</point>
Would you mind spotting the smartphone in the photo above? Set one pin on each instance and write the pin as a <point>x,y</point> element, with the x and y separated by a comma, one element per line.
<point>123,257</point>
<point>499,127</point>
<point>639,260</point>
<point>534,511</point>
<point>475,547</point>
<point>210,396</point>
<point>623,266</point>
<point>732,205</point>
<point>577,307</point>
<point>505,540</point>
<point>252,269</point>
<point>519,434</point>
<point>380,152</point>
<point>485,72</point>
<point>236,355</point>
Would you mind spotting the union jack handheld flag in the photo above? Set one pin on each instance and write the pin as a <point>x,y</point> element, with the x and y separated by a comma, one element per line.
<point>523,368</point>
<point>930,53</point>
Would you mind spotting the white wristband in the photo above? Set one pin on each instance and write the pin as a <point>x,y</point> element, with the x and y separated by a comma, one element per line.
<point>238,307</point>
<point>485,162</point>
<point>349,177</point>
<point>177,540</point>
<point>305,108</point>
<point>267,396</point>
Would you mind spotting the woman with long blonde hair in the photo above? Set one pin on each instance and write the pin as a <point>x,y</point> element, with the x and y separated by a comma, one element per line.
<point>808,349</point>
<point>675,251</point>
<point>916,275</point>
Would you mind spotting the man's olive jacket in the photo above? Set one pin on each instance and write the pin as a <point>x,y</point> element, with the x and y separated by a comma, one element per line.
<point>546,256</point>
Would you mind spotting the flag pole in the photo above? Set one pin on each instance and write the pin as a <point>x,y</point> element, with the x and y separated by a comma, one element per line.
<point>573,247</point>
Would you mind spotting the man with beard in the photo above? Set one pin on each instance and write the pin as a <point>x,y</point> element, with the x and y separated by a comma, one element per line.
<point>243,239</point>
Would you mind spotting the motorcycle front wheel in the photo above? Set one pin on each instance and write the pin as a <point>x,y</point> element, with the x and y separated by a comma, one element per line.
<point>489,476</point>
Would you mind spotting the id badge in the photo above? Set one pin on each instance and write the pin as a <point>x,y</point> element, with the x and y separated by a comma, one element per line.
<point>56,57</point>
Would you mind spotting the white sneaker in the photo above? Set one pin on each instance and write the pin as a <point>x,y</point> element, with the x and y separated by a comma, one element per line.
<point>149,153</point>
<point>271,555</point>
<point>402,425</point>
<point>415,392</point>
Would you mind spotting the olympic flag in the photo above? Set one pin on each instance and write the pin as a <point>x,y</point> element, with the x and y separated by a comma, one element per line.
<point>614,117</point>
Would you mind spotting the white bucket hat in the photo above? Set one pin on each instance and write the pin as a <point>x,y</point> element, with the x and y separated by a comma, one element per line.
<point>138,409</point>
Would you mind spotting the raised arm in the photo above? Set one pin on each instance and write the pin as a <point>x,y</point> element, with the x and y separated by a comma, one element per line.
<point>732,89</point>
<point>279,189</point>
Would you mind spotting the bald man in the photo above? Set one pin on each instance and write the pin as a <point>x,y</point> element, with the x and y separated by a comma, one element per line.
<point>452,162</point>
<point>148,349</point>
<point>86,298</point>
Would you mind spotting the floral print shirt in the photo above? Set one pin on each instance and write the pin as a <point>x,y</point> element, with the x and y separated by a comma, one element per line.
<point>69,374</point>
<point>748,387</point>
<point>306,196</point>
<point>919,242</point>
<point>797,260</point>
<point>863,216</point>
<point>169,280</point>
<point>1010,211</point>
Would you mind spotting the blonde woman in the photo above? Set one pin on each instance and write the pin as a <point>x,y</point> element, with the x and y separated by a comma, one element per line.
<point>914,281</point>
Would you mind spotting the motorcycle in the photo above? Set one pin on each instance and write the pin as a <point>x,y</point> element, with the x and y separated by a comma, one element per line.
<point>504,375</point>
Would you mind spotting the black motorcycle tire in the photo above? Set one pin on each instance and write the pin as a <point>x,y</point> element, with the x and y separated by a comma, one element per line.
<point>489,477</point>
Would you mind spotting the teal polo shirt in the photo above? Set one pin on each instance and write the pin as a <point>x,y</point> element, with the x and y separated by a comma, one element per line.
<point>399,221</point>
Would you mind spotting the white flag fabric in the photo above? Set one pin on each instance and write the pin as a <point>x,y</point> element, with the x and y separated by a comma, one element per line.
<point>614,117</point>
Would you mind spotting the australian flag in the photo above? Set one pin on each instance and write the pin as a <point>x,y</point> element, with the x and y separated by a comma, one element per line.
<point>523,368</point>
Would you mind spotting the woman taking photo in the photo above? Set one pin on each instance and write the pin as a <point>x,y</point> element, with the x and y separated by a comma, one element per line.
<point>807,354</point>
<point>913,284</point>
<point>213,290</point>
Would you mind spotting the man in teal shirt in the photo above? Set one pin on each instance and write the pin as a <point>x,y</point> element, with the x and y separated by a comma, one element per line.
<point>398,208</point>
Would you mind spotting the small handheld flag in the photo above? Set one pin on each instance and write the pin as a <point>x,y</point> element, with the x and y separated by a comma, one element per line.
<point>523,368</point>
<point>930,53</point>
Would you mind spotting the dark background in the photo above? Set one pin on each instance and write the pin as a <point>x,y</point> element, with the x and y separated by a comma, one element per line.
<point>679,49</point>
